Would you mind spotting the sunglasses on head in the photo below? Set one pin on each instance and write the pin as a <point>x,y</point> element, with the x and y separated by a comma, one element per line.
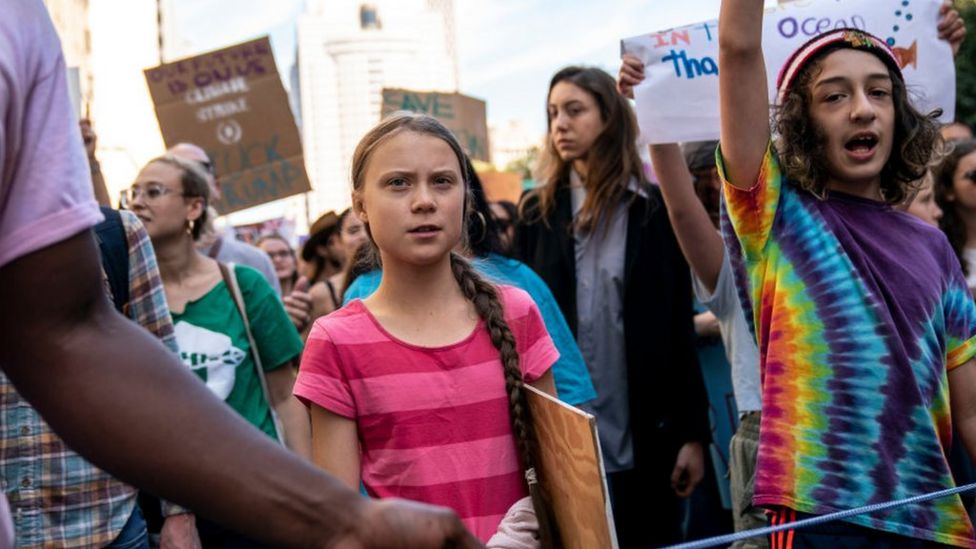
<point>207,165</point>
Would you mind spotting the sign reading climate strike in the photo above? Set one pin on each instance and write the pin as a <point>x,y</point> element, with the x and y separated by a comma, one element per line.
<point>464,116</point>
<point>678,100</point>
<point>231,103</point>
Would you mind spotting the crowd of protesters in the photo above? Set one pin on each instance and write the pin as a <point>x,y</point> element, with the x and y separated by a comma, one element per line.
<point>373,380</point>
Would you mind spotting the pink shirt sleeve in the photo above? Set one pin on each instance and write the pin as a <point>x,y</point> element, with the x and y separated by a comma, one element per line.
<point>46,191</point>
<point>537,353</point>
<point>320,377</point>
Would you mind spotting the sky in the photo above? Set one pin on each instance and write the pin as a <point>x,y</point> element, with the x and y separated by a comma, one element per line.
<point>507,49</point>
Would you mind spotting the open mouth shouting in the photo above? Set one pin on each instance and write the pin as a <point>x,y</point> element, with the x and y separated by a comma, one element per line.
<point>862,146</point>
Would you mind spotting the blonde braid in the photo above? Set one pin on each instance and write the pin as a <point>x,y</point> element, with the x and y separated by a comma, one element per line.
<point>484,296</point>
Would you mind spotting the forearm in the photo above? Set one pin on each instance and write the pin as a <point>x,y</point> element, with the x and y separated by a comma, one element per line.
<point>740,27</point>
<point>743,101</point>
<point>98,183</point>
<point>294,420</point>
<point>141,415</point>
<point>699,240</point>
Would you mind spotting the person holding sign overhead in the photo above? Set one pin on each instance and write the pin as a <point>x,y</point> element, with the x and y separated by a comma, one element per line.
<point>693,207</point>
<point>866,328</point>
<point>598,234</point>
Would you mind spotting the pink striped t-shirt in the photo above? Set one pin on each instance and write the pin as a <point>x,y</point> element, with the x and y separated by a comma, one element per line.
<point>433,423</point>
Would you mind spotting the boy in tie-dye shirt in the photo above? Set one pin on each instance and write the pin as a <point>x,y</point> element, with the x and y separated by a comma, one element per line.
<point>861,313</point>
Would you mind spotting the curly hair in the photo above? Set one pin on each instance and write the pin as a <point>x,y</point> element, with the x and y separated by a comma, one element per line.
<point>952,222</point>
<point>800,143</point>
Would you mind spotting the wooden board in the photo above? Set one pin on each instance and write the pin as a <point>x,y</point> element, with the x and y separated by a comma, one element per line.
<point>571,471</point>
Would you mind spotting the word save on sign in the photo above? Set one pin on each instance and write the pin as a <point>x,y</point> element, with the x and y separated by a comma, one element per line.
<point>231,103</point>
<point>678,100</point>
<point>464,116</point>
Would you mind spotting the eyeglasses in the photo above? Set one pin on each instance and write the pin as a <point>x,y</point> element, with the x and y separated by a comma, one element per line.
<point>150,193</point>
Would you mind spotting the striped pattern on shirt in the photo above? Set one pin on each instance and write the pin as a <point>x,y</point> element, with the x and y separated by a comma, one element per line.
<point>433,423</point>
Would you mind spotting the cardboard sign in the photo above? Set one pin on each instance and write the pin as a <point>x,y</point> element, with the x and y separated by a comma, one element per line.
<point>678,100</point>
<point>464,116</point>
<point>571,471</point>
<point>501,186</point>
<point>231,103</point>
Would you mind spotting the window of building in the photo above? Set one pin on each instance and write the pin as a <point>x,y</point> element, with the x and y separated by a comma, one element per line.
<point>368,19</point>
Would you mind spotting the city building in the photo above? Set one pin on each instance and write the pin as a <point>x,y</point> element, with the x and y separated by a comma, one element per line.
<point>348,51</point>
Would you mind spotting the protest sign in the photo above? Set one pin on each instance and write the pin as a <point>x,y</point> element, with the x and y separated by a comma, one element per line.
<point>571,472</point>
<point>464,116</point>
<point>501,186</point>
<point>678,100</point>
<point>231,103</point>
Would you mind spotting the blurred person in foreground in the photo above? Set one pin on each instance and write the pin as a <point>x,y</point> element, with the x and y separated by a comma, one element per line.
<point>62,337</point>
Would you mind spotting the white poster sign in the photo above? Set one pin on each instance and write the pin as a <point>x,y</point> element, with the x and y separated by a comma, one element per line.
<point>678,100</point>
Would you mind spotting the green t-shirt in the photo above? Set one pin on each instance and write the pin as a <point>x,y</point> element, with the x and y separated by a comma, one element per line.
<point>213,343</point>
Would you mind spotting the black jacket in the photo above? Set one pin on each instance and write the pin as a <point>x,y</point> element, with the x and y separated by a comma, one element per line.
<point>668,403</point>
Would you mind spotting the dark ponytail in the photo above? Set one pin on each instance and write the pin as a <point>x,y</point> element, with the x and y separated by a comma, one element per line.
<point>484,296</point>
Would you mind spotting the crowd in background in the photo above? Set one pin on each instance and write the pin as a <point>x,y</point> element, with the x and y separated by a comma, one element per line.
<point>393,348</point>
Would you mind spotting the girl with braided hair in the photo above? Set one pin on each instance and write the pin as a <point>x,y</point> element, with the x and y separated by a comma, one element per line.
<point>417,391</point>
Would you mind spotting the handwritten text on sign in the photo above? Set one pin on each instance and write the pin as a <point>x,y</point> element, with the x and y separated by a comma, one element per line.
<point>464,116</point>
<point>231,103</point>
<point>678,100</point>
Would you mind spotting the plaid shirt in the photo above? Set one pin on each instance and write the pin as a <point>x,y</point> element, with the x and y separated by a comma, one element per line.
<point>57,498</point>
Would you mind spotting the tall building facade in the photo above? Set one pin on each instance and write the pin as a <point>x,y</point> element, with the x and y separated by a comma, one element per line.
<point>70,19</point>
<point>348,51</point>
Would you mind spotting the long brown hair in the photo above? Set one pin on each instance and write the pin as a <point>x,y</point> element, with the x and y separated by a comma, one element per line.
<point>612,161</point>
<point>952,224</point>
<point>801,142</point>
<point>482,294</point>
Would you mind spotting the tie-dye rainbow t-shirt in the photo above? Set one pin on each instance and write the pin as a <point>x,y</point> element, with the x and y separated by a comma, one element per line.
<point>859,311</point>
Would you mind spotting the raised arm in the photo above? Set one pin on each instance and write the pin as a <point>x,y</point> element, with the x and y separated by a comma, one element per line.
<point>743,101</point>
<point>700,242</point>
<point>698,238</point>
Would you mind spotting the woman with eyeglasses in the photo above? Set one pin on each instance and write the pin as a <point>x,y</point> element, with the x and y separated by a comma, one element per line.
<point>170,196</point>
<point>282,258</point>
<point>956,194</point>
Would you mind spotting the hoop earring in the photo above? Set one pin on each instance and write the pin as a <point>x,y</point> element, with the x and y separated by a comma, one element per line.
<point>484,227</point>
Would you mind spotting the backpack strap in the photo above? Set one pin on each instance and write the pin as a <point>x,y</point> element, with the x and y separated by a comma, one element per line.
<point>229,274</point>
<point>114,251</point>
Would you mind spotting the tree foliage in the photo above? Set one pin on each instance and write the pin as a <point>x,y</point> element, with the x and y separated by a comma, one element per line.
<point>966,66</point>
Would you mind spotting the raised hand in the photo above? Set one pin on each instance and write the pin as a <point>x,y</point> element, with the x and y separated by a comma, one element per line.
<point>298,304</point>
<point>631,74</point>
<point>951,26</point>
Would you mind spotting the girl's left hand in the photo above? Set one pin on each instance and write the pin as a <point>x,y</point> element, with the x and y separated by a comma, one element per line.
<point>951,26</point>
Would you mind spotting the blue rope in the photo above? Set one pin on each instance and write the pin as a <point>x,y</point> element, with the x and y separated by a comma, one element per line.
<point>812,521</point>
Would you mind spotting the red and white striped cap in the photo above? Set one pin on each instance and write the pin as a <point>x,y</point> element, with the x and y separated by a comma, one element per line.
<point>855,39</point>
